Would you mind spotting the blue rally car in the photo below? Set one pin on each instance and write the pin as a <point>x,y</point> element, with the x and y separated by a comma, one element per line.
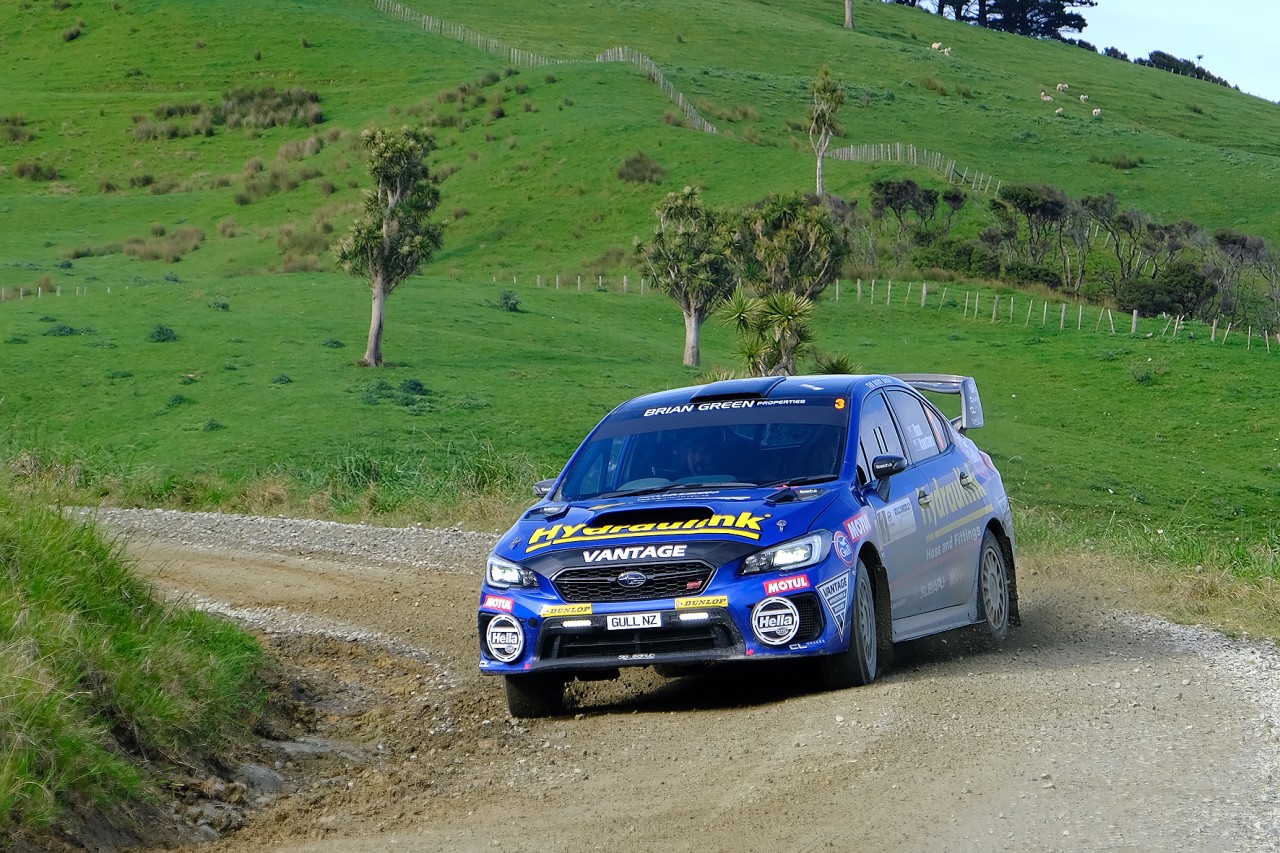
<point>823,517</point>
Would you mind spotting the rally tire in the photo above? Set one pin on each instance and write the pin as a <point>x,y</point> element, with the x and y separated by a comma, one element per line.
<point>858,664</point>
<point>993,590</point>
<point>532,695</point>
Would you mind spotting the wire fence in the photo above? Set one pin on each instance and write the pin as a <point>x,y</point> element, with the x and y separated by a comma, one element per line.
<point>529,59</point>
<point>654,73</point>
<point>978,306</point>
<point>898,152</point>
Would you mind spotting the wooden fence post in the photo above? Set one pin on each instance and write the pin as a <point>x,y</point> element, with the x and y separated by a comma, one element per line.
<point>1133,327</point>
<point>924,293</point>
<point>995,306</point>
<point>1062,323</point>
<point>859,290</point>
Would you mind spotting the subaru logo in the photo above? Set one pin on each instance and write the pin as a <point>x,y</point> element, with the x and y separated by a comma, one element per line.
<point>632,580</point>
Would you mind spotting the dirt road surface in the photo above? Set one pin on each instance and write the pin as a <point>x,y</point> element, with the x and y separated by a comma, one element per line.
<point>1091,729</point>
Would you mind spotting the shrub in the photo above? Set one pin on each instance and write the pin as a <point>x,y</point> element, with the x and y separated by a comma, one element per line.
<point>162,334</point>
<point>220,305</point>
<point>641,168</point>
<point>332,343</point>
<point>933,84</point>
<point>71,34</point>
<point>158,229</point>
<point>508,300</point>
<point>227,227</point>
<point>34,170</point>
<point>282,379</point>
<point>13,129</point>
<point>1024,273</point>
<point>212,425</point>
<point>59,330</point>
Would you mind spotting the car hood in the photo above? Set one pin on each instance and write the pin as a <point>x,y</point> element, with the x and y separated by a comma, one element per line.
<point>728,523</point>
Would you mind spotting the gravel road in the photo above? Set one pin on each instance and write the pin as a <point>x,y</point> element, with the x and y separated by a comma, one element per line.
<point>1093,728</point>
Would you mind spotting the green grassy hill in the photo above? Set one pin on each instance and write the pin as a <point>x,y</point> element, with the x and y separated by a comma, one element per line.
<point>221,237</point>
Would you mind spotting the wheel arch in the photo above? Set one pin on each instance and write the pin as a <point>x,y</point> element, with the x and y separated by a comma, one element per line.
<point>880,594</point>
<point>1006,547</point>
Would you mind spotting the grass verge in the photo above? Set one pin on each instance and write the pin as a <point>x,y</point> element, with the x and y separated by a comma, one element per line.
<point>106,687</point>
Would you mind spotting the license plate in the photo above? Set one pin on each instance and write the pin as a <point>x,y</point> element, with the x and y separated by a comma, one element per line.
<point>629,621</point>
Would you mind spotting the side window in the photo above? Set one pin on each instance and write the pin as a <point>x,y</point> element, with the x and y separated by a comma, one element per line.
<point>920,438</point>
<point>877,436</point>
<point>941,430</point>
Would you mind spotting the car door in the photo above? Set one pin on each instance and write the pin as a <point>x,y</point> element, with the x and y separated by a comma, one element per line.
<point>896,515</point>
<point>950,500</point>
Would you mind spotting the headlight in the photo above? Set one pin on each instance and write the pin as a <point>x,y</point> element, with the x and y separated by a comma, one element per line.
<point>795,554</point>
<point>505,573</point>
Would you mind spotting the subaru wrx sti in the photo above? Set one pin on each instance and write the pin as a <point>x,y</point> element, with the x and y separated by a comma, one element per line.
<point>818,517</point>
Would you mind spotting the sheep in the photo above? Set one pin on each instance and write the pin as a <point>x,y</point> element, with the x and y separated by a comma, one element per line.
<point>946,51</point>
<point>1062,87</point>
<point>1058,111</point>
<point>1084,99</point>
<point>937,45</point>
<point>1045,96</point>
<point>1097,113</point>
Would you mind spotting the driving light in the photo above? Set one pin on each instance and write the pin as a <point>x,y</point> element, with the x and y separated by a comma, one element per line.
<point>576,623</point>
<point>504,638</point>
<point>504,573</point>
<point>795,554</point>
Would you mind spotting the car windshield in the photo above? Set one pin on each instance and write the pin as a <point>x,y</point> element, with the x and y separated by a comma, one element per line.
<point>688,447</point>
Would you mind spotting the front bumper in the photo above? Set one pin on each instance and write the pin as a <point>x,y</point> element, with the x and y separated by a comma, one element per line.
<point>643,633</point>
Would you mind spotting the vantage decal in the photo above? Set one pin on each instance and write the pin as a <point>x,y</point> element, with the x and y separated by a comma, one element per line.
<point>948,498</point>
<point>835,593</point>
<point>744,525</point>
<point>635,552</point>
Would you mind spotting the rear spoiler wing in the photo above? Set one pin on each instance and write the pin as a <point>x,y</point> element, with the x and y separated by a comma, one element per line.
<point>945,383</point>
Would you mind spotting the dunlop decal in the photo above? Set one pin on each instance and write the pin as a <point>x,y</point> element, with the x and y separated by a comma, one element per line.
<point>565,610</point>
<point>744,525</point>
<point>702,601</point>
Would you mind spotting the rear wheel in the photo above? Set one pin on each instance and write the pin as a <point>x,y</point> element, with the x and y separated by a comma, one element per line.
<point>993,589</point>
<point>539,695</point>
<point>858,664</point>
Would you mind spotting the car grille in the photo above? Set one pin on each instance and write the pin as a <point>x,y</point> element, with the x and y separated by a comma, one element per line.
<point>665,580</point>
<point>557,645</point>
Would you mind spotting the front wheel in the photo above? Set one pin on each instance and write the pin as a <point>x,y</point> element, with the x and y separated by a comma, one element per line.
<point>531,695</point>
<point>993,589</point>
<point>857,665</point>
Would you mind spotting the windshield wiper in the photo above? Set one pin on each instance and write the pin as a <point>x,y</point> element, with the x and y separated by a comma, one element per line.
<point>676,487</point>
<point>807,480</point>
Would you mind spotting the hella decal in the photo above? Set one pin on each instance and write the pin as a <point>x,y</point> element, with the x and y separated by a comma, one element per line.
<point>789,584</point>
<point>775,621</point>
<point>504,638</point>
<point>743,524</point>
<point>635,552</point>
<point>497,602</point>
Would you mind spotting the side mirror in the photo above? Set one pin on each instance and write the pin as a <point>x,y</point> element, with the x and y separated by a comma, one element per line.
<point>542,488</point>
<point>884,467</point>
